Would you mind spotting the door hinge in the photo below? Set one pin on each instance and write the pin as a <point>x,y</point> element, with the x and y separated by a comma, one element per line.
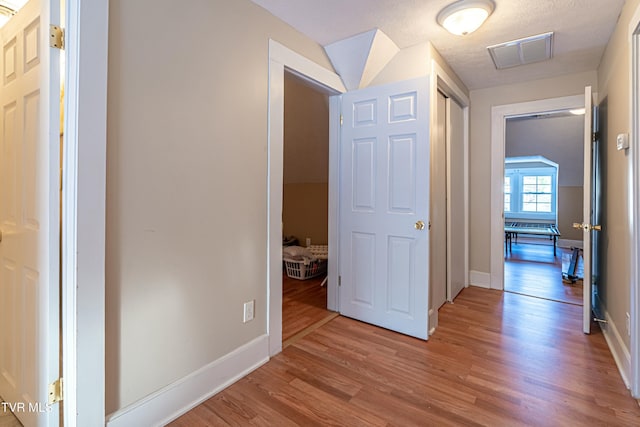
<point>56,389</point>
<point>339,280</point>
<point>341,119</point>
<point>594,136</point>
<point>56,37</point>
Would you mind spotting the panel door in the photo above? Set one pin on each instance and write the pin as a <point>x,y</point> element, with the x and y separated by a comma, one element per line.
<point>29,213</point>
<point>438,207</point>
<point>587,224</point>
<point>457,229</point>
<point>384,206</point>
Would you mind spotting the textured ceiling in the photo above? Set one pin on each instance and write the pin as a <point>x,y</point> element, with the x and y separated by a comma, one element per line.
<point>582,29</point>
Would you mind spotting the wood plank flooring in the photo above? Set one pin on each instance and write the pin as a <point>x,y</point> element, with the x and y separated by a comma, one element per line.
<point>531,269</point>
<point>304,302</point>
<point>496,359</point>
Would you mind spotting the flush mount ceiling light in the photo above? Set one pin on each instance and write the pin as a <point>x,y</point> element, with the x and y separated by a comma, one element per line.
<point>5,14</point>
<point>465,16</point>
<point>8,8</point>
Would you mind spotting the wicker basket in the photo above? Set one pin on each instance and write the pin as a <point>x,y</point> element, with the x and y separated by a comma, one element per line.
<point>301,271</point>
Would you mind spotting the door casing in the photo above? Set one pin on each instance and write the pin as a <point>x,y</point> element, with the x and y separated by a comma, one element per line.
<point>281,57</point>
<point>634,192</point>
<point>499,115</point>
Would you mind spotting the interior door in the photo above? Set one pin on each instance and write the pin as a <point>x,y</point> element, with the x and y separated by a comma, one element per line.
<point>588,224</point>
<point>456,229</point>
<point>596,213</point>
<point>384,206</point>
<point>438,250</point>
<point>29,213</point>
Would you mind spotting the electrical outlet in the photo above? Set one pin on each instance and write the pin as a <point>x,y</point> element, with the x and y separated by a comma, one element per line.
<point>248,311</point>
<point>628,325</point>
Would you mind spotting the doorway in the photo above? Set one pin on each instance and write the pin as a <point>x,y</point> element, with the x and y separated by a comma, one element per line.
<point>543,189</point>
<point>305,206</point>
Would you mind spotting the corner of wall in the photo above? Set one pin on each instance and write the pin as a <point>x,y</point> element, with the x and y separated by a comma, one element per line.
<point>176,399</point>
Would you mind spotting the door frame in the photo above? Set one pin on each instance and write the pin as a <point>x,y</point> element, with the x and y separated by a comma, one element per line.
<point>499,116</point>
<point>84,208</point>
<point>634,193</point>
<point>442,81</point>
<point>283,59</point>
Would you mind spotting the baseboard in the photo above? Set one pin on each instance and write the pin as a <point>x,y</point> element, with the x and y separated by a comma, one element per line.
<point>480,279</point>
<point>619,351</point>
<point>568,244</point>
<point>177,398</point>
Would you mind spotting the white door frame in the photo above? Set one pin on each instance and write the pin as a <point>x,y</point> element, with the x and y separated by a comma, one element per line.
<point>445,83</point>
<point>281,58</point>
<point>499,115</point>
<point>634,193</point>
<point>83,220</point>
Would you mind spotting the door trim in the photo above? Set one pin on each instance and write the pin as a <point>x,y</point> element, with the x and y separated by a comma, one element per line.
<point>499,115</point>
<point>634,193</point>
<point>281,58</point>
<point>445,83</point>
<point>84,207</point>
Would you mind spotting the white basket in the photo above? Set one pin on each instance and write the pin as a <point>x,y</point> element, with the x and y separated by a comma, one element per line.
<point>298,270</point>
<point>319,251</point>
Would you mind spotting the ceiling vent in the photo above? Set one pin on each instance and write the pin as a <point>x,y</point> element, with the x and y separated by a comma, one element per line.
<point>522,51</point>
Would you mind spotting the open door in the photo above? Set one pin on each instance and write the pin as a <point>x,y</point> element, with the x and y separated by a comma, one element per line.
<point>29,213</point>
<point>591,210</point>
<point>384,206</point>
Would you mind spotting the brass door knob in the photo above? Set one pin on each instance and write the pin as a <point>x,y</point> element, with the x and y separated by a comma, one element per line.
<point>419,225</point>
<point>587,227</point>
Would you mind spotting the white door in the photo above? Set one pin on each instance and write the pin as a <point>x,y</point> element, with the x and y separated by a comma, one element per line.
<point>384,206</point>
<point>456,217</point>
<point>29,213</point>
<point>588,222</point>
<point>438,207</point>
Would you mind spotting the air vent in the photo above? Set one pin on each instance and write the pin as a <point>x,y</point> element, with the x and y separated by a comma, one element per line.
<point>522,51</point>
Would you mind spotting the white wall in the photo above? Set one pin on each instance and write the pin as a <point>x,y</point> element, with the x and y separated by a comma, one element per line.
<point>186,185</point>
<point>614,97</point>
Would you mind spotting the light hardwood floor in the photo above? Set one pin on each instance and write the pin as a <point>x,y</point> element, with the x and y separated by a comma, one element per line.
<point>304,302</point>
<point>531,269</point>
<point>496,359</point>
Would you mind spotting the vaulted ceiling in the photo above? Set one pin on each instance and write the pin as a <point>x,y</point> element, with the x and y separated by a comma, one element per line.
<point>581,29</point>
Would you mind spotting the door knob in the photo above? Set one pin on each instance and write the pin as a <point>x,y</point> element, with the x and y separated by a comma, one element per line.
<point>419,225</point>
<point>587,227</point>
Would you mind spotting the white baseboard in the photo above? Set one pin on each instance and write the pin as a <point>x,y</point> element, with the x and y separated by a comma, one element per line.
<point>568,244</point>
<point>619,351</point>
<point>168,403</point>
<point>480,279</point>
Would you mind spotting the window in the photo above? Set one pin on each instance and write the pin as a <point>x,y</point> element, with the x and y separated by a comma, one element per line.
<point>507,194</point>
<point>536,193</point>
<point>530,190</point>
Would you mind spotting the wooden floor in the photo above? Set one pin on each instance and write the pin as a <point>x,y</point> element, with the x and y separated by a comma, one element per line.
<point>531,269</point>
<point>304,303</point>
<point>496,359</point>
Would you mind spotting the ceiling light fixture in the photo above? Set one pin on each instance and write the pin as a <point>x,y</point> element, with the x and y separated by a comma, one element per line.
<point>465,16</point>
<point>8,8</point>
<point>5,14</point>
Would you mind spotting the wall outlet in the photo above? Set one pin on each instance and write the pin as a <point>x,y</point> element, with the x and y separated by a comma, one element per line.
<point>628,325</point>
<point>248,311</point>
<point>308,241</point>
